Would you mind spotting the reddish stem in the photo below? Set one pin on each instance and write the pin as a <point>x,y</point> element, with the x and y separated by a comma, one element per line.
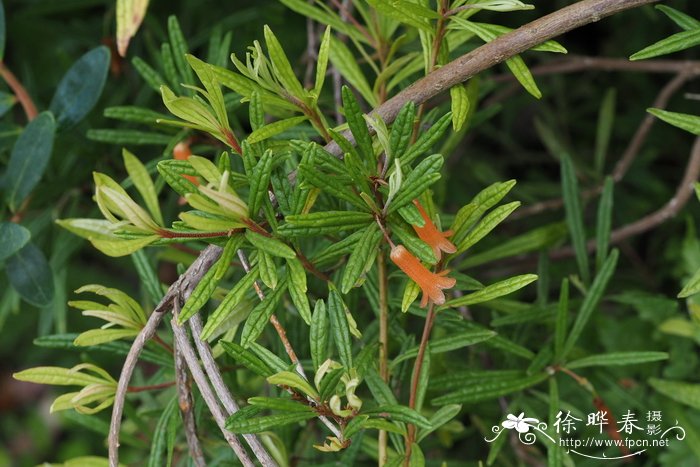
<point>152,387</point>
<point>20,92</point>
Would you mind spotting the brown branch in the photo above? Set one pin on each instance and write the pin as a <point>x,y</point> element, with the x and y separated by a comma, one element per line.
<point>496,51</point>
<point>670,209</point>
<point>186,405</point>
<point>150,387</point>
<point>20,92</point>
<point>628,156</point>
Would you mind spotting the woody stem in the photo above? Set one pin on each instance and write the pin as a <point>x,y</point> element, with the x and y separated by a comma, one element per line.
<point>418,365</point>
<point>383,344</point>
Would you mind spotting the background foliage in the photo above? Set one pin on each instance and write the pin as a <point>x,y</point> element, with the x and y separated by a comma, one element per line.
<point>591,115</point>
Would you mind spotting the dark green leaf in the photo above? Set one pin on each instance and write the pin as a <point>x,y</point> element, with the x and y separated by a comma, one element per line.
<point>399,413</point>
<point>80,87</point>
<point>340,327</point>
<point>679,41</point>
<point>685,393</point>
<point>574,215</point>
<point>617,358</point>
<point>604,222</point>
<point>426,140</point>
<point>489,390</point>
<point>30,275</point>
<point>260,315</point>
<point>247,420</point>
<point>319,333</point>
<point>159,436</point>
<point>320,223</point>
<point>423,175</point>
<point>690,123</point>
<point>446,344</point>
<point>14,237</point>
<point>362,257</point>
<point>247,358</point>
<point>357,125</point>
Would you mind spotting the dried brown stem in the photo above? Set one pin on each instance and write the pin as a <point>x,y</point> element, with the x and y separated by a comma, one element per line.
<point>496,51</point>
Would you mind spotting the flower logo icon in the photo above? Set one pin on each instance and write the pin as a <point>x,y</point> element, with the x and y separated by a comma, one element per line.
<point>520,423</point>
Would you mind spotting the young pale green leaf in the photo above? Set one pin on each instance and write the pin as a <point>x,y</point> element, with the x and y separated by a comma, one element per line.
<point>676,42</point>
<point>522,73</point>
<point>143,183</point>
<point>412,14</point>
<point>503,5</point>
<point>489,390</point>
<point>28,159</point>
<point>358,126</point>
<point>591,300</point>
<point>362,257</point>
<point>330,382</point>
<point>439,418</point>
<point>459,98</point>
<point>319,334</point>
<point>493,291</point>
<point>270,245</point>
<point>268,269</point>
<point>446,344</point>
<point>399,413</point>
<point>604,222</point>
<point>121,247</point>
<point>281,65</point>
<point>100,336</point>
<point>247,358</point>
<point>574,215</point>
<point>340,327</point>
<point>80,87</point>
<point>192,111</point>
<point>690,123</point>
<point>410,293</point>
<point>427,139</point>
<point>680,391</point>
<point>260,315</point>
<point>293,380</point>
<point>324,15</point>
<point>681,19</point>
<point>159,443</point>
<point>322,61</point>
<point>562,319</point>
<point>206,75</point>
<point>423,175</point>
<point>274,128</point>
<point>321,223</point>
<point>240,423</point>
<point>297,289</point>
<point>58,376</point>
<point>30,275</point>
<point>617,358</point>
<point>692,287</point>
<point>14,237</point>
<point>487,224</point>
<point>346,63</point>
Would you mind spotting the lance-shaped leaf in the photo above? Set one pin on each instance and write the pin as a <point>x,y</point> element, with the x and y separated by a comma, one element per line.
<point>248,420</point>
<point>270,245</point>
<point>421,177</point>
<point>247,358</point>
<point>28,159</point>
<point>206,75</point>
<point>446,344</point>
<point>14,237</point>
<point>260,315</point>
<point>676,42</point>
<point>281,65</point>
<point>357,125</point>
<point>259,182</point>
<point>681,391</point>
<point>489,390</point>
<point>617,358</point>
<point>80,375</point>
<point>681,19</point>
<point>268,269</point>
<point>402,129</point>
<point>319,334</point>
<point>130,14</point>
<point>487,224</point>
<point>322,61</point>
<point>690,123</point>
<point>30,275</point>
<point>574,215</point>
<point>340,327</point>
<point>426,140</point>
<point>80,87</point>
<point>493,291</point>
<point>469,214</point>
<point>143,183</point>
<point>459,100</point>
<point>229,303</point>
<point>362,257</point>
<point>297,289</point>
<point>321,223</point>
<point>274,128</point>
<point>294,381</point>
<point>346,63</point>
<point>399,413</point>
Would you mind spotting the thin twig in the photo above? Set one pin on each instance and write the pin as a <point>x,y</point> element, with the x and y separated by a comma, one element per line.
<point>496,51</point>
<point>183,342</point>
<point>20,92</point>
<point>670,209</point>
<point>186,405</point>
<point>188,280</point>
<point>628,156</point>
<point>220,388</point>
<point>382,438</point>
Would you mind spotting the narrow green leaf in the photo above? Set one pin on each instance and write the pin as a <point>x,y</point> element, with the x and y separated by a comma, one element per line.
<point>486,199</point>
<point>297,288</point>
<point>247,358</point>
<point>604,222</point>
<point>29,158</point>
<point>274,128</point>
<point>121,247</point>
<point>179,50</point>
<point>574,215</point>
<point>149,75</point>
<point>132,137</point>
<point>270,245</point>
<point>324,15</point>
<point>446,344</point>
<point>489,390</point>
<point>58,376</point>
<point>319,334</point>
<point>522,73</point>
<point>159,440</point>
<point>260,315</point>
<point>426,140</point>
<point>30,275</point>
<point>606,119</point>
<point>322,61</point>
<point>340,327</point>
<point>100,336</point>
<point>617,358</point>
<point>331,185</point>
<point>14,237</point>
<point>321,223</point>
<point>691,287</point>
<point>268,269</point>
<point>362,257</point>
<point>459,98</point>
<point>240,423</point>
<point>259,182</point>
<point>562,319</point>
<point>591,300</point>
<point>399,413</point>
<point>206,75</point>
<point>690,123</point>
<point>492,291</point>
<point>486,225</point>
<point>358,126</point>
<point>402,129</point>
<point>80,87</point>
<point>680,391</point>
<point>439,418</point>
<point>346,63</point>
<point>681,19</point>
<point>281,65</point>
<point>676,42</point>
<point>276,403</point>
<point>423,175</point>
<point>143,183</point>
<point>3,32</point>
<point>423,377</point>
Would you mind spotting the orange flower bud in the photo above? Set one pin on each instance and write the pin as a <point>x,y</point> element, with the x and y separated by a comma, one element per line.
<point>431,284</point>
<point>432,236</point>
<point>182,152</point>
